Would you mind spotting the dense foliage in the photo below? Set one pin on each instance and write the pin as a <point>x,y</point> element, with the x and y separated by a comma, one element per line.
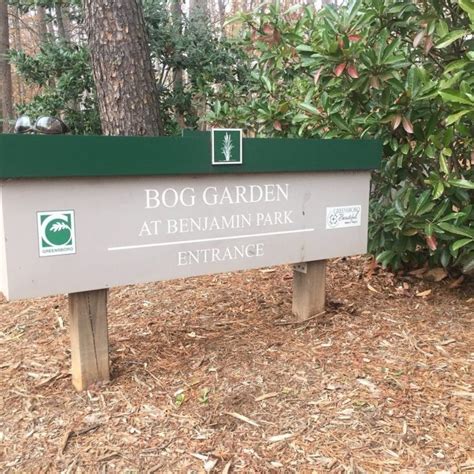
<point>62,70</point>
<point>398,71</point>
<point>194,47</point>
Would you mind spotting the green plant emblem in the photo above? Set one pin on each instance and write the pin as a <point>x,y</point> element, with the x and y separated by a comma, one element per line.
<point>226,146</point>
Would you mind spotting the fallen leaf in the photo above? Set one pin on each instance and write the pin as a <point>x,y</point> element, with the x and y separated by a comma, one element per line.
<point>201,457</point>
<point>373,264</point>
<point>422,294</point>
<point>456,283</point>
<point>277,125</point>
<point>468,465</point>
<point>435,274</point>
<point>441,350</point>
<point>281,437</point>
<point>268,270</point>
<point>267,396</point>
<point>371,288</point>
<point>242,418</point>
<point>418,272</point>
<point>226,469</point>
<point>210,464</point>
<point>370,385</point>
<point>464,394</point>
<point>446,342</point>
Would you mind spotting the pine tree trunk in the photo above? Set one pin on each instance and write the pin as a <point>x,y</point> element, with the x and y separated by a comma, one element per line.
<point>123,73</point>
<point>5,69</point>
<point>42,28</point>
<point>198,9</point>
<point>68,27</point>
<point>199,13</point>
<point>63,34</point>
<point>18,45</point>
<point>178,80</point>
<point>221,4</point>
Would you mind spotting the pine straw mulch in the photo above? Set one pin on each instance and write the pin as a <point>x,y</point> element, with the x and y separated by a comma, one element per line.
<point>209,374</point>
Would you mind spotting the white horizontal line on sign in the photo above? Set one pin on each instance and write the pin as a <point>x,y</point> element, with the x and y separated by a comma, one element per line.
<point>162,244</point>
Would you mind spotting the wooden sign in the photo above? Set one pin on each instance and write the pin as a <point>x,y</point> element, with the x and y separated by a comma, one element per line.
<point>83,214</point>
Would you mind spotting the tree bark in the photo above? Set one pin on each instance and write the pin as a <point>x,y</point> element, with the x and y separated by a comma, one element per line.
<point>222,4</point>
<point>123,72</point>
<point>5,69</point>
<point>198,9</point>
<point>199,13</point>
<point>178,79</point>
<point>42,28</point>
<point>18,45</point>
<point>63,34</point>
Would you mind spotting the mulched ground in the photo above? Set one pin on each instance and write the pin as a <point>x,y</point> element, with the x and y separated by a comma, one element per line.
<point>210,374</point>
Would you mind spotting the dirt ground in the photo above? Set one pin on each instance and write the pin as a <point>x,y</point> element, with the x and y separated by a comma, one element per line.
<point>211,374</point>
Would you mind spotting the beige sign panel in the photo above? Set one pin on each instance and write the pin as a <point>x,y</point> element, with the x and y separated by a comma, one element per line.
<point>71,235</point>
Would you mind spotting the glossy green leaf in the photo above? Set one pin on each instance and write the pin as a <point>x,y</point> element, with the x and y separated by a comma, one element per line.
<point>451,95</point>
<point>458,244</point>
<point>453,118</point>
<point>462,183</point>
<point>458,230</point>
<point>450,38</point>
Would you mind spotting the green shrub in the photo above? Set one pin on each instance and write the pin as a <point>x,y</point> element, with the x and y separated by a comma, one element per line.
<point>399,71</point>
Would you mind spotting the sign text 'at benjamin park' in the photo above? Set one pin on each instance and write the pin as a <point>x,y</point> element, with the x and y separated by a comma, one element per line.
<point>82,214</point>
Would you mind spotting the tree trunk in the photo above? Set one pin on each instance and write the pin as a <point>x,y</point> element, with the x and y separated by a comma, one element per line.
<point>5,69</point>
<point>222,4</point>
<point>42,28</point>
<point>68,27</point>
<point>123,72</point>
<point>49,25</point>
<point>63,34</point>
<point>198,9</point>
<point>18,45</point>
<point>178,81</point>
<point>199,13</point>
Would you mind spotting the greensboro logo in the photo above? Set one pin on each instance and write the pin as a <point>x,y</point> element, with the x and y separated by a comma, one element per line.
<point>226,146</point>
<point>343,216</point>
<point>56,233</point>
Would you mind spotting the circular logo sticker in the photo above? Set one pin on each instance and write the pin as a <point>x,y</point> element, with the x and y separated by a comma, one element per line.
<point>56,232</point>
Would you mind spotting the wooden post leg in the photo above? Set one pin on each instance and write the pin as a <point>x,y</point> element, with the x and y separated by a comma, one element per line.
<point>309,289</point>
<point>89,338</point>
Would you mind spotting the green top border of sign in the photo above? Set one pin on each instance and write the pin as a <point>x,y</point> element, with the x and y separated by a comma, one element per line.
<point>41,156</point>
